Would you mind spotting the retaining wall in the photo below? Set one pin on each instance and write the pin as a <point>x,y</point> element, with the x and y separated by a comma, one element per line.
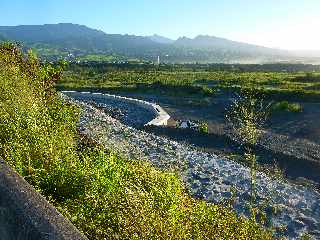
<point>161,118</point>
<point>26,215</point>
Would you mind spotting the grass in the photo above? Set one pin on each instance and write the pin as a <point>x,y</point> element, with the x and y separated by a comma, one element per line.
<point>153,205</point>
<point>103,194</point>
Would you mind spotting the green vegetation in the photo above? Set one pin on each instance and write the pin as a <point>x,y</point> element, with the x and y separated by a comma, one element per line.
<point>49,51</point>
<point>246,117</point>
<point>286,106</point>
<point>103,194</point>
<point>136,201</point>
<point>203,127</point>
<point>195,80</point>
<point>97,58</point>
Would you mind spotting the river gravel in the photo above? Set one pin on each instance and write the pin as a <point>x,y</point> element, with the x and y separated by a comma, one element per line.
<point>206,175</point>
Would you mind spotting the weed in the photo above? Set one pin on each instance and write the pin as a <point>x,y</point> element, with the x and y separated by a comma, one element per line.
<point>286,106</point>
<point>203,127</point>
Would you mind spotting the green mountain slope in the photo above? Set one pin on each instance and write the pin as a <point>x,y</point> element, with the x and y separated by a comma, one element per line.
<point>78,41</point>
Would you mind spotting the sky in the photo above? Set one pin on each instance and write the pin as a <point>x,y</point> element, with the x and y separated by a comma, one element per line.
<point>285,24</point>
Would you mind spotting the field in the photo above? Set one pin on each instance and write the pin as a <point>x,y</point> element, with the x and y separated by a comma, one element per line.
<point>195,80</point>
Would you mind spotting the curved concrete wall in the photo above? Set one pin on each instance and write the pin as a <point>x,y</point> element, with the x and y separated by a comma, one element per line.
<point>161,118</point>
<point>26,215</point>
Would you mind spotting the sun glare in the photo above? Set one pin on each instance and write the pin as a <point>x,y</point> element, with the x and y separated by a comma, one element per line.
<point>299,34</point>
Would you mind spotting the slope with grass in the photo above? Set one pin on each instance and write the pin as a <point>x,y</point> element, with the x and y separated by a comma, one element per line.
<point>104,194</point>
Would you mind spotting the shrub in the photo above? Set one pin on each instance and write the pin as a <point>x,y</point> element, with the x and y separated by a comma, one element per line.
<point>286,106</point>
<point>246,116</point>
<point>203,127</point>
<point>207,91</point>
<point>37,129</point>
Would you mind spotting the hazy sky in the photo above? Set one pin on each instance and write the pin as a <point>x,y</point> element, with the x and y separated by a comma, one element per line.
<point>287,24</point>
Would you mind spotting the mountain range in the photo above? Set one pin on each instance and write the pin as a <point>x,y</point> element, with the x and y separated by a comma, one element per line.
<point>53,41</point>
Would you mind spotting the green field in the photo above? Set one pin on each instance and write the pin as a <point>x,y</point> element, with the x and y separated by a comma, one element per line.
<point>193,81</point>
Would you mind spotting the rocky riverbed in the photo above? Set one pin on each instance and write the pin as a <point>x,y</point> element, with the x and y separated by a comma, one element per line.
<point>206,175</point>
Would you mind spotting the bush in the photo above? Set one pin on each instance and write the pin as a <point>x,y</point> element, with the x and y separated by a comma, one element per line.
<point>286,106</point>
<point>207,91</point>
<point>104,195</point>
<point>203,127</point>
<point>37,129</point>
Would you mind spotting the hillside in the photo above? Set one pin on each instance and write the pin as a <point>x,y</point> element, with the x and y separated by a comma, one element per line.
<point>216,43</point>
<point>53,41</point>
<point>75,39</point>
<point>160,39</point>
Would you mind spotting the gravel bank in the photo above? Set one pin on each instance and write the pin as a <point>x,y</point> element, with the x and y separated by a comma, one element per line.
<point>206,175</point>
<point>297,147</point>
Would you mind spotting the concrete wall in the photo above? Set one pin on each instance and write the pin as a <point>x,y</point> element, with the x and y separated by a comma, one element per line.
<point>161,118</point>
<point>26,215</point>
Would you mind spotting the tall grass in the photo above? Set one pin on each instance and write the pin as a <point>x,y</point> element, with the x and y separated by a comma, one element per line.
<point>37,129</point>
<point>246,117</point>
<point>103,194</point>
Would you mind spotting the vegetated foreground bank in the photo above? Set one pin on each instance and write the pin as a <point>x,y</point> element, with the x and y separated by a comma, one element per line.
<point>102,193</point>
<point>207,176</point>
